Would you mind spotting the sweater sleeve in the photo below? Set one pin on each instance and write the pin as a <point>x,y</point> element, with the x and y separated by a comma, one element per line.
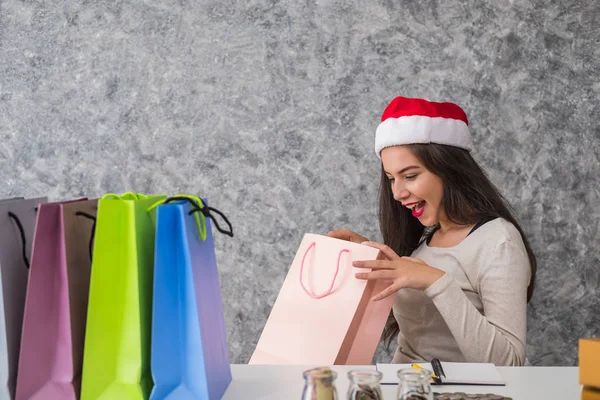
<point>498,335</point>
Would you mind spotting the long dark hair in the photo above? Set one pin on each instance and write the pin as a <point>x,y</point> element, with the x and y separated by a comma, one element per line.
<point>468,197</point>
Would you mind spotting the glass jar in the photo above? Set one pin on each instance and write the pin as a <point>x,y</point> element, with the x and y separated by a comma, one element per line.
<point>319,384</point>
<point>414,384</point>
<point>364,385</point>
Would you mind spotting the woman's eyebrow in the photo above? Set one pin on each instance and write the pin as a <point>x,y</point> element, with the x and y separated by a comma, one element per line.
<point>403,170</point>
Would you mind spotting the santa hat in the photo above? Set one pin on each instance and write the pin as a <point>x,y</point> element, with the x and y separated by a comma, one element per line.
<point>409,121</point>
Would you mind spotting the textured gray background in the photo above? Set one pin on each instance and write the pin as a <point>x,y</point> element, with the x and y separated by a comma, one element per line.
<point>269,108</point>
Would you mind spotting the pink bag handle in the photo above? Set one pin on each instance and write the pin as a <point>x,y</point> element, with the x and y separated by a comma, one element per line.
<point>337,270</point>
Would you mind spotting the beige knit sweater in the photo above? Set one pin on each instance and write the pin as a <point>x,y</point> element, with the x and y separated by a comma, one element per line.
<point>476,312</point>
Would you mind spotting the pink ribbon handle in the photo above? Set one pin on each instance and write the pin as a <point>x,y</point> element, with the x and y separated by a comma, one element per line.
<point>337,270</point>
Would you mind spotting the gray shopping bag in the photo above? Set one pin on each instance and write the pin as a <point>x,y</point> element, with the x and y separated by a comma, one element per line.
<point>17,225</point>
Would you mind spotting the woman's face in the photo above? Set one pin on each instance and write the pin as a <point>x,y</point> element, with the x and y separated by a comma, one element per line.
<point>413,185</point>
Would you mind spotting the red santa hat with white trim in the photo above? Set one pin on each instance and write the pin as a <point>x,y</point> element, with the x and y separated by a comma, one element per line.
<point>410,120</point>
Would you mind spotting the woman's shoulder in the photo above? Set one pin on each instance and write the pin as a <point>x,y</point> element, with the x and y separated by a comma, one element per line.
<point>502,243</point>
<point>497,232</point>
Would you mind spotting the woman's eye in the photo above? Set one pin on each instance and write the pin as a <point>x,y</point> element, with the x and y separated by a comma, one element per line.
<point>410,177</point>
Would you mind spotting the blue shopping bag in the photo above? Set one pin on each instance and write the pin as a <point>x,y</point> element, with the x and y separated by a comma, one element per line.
<point>190,354</point>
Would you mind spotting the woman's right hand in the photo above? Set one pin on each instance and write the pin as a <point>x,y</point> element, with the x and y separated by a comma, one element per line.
<point>347,234</point>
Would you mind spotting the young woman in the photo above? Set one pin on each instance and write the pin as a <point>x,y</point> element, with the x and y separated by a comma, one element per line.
<point>462,294</point>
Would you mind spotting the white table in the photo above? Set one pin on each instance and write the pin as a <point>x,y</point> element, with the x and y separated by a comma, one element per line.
<point>283,382</point>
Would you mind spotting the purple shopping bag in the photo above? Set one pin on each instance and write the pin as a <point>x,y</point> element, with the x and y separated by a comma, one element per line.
<point>51,354</point>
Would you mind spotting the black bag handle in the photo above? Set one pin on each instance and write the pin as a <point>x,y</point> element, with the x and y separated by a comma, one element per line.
<point>93,218</point>
<point>14,217</point>
<point>207,211</point>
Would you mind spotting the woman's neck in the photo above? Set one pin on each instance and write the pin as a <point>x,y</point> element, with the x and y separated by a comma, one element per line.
<point>449,234</point>
<point>445,225</point>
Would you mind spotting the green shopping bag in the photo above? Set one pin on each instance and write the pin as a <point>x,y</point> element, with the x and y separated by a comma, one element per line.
<point>116,363</point>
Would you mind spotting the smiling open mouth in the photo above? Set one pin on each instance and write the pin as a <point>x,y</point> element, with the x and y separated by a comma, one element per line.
<point>418,209</point>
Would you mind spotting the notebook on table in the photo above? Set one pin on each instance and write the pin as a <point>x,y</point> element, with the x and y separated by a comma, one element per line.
<point>484,374</point>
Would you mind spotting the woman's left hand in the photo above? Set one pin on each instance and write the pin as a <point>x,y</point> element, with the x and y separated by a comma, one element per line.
<point>403,272</point>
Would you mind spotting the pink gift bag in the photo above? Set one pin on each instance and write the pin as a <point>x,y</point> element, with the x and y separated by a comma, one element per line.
<point>51,354</point>
<point>323,314</point>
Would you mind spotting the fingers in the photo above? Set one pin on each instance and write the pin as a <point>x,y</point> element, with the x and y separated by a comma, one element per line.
<point>373,264</point>
<point>339,234</point>
<point>386,251</point>
<point>379,274</point>
<point>347,234</point>
<point>390,290</point>
<point>417,260</point>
